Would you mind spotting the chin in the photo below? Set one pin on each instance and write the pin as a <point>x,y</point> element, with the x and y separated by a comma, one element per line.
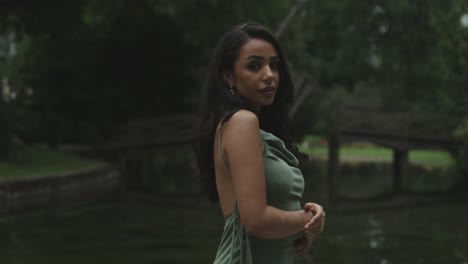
<point>269,102</point>
<point>266,103</point>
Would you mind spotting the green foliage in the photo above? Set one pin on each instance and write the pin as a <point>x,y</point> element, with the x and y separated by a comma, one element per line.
<point>79,68</point>
<point>148,58</point>
<point>122,60</point>
<point>411,53</point>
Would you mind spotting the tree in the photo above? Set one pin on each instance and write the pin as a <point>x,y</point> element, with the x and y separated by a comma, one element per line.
<point>123,60</point>
<point>410,52</point>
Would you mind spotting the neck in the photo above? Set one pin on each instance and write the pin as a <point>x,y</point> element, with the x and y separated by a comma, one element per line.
<point>256,109</point>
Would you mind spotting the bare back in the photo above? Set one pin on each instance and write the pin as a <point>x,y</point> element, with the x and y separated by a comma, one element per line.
<point>223,177</point>
<point>238,153</point>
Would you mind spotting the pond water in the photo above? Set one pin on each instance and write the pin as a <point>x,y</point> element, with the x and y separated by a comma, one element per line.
<point>186,230</point>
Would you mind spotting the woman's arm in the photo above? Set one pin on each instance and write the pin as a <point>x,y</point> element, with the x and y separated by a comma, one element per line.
<point>243,148</point>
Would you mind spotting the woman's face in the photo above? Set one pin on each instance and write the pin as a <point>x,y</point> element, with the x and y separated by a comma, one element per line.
<point>256,74</point>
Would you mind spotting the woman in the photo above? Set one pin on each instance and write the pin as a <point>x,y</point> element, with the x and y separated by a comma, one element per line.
<point>245,154</point>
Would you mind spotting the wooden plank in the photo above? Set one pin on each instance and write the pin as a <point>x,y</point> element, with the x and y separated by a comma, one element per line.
<point>397,124</point>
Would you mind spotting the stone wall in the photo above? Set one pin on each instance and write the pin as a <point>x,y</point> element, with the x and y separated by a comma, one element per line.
<point>60,191</point>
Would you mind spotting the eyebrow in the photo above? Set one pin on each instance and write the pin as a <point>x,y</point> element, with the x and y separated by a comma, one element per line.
<point>256,57</point>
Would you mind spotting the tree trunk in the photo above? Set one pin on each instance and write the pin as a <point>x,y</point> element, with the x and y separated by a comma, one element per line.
<point>304,83</point>
<point>285,22</point>
<point>5,134</point>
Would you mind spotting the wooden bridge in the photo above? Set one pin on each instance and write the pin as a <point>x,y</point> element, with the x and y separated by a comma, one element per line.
<point>152,152</point>
<point>400,131</point>
<point>135,143</point>
<point>141,134</point>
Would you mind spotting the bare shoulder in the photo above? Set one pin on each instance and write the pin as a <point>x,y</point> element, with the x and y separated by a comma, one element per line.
<point>241,141</point>
<point>243,121</point>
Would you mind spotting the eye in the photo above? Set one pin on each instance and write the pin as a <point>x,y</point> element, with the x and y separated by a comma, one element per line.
<point>254,66</point>
<point>274,65</point>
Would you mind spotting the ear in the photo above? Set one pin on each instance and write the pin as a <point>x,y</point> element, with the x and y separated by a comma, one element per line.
<point>228,79</point>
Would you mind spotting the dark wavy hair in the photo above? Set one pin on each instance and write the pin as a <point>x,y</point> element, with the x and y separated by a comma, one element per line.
<point>219,104</point>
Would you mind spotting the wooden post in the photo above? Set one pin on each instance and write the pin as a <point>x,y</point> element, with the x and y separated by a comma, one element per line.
<point>333,167</point>
<point>400,169</point>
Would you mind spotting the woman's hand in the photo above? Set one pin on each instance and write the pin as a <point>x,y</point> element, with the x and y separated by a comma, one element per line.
<point>303,244</point>
<point>312,228</point>
<point>316,224</point>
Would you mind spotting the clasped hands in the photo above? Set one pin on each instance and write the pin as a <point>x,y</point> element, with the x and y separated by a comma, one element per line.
<point>311,229</point>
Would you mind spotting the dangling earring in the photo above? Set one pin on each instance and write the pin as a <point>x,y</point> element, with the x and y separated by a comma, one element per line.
<point>231,89</point>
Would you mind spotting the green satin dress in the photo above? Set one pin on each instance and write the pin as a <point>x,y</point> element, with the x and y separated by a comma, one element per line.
<point>284,188</point>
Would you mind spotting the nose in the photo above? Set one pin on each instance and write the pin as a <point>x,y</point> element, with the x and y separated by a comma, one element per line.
<point>268,75</point>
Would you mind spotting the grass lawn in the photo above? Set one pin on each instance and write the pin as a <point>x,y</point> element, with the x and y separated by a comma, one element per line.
<point>357,152</point>
<point>41,161</point>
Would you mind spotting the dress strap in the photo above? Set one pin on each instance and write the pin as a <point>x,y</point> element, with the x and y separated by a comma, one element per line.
<point>220,148</point>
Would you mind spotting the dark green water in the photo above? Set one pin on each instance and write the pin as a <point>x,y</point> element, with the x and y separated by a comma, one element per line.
<point>170,230</point>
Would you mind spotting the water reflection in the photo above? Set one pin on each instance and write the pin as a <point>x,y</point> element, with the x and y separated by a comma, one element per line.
<point>375,233</point>
<point>431,233</point>
<point>157,232</point>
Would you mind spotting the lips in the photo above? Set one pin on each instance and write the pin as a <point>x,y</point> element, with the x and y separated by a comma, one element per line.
<point>268,91</point>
